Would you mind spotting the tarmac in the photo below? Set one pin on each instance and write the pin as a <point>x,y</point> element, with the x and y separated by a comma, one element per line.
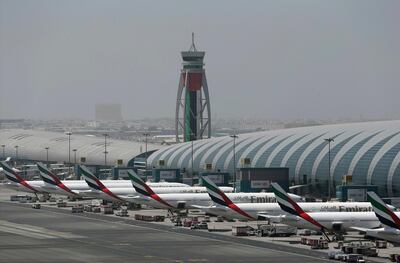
<point>52,234</point>
<point>45,235</point>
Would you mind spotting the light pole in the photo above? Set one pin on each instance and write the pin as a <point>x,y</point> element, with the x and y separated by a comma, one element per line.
<point>16,153</point>
<point>74,150</point>
<point>145,149</point>
<point>192,160</point>
<point>69,152</point>
<point>4,153</point>
<point>47,155</point>
<point>234,137</point>
<point>105,148</point>
<point>191,145</point>
<point>329,140</point>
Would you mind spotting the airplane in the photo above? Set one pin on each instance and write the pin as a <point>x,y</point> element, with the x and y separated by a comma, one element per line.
<point>228,208</point>
<point>321,221</point>
<point>178,201</point>
<point>390,221</point>
<point>99,190</point>
<point>17,183</point>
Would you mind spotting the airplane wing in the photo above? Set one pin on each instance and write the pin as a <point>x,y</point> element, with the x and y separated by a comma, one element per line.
<point>272,218</point>
<point>211,209</point>
<point>201,206</point>
<point>293,187</point>
<point>363,229</point>
<point>390,235</point>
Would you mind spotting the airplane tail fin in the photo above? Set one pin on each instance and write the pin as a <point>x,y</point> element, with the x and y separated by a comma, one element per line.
<point>217,196</point>
<point>290,206</point>
<point>220,197</point>
<point>286,203</point>
<point>142,188</point>
<point>91,179</point>
<point>383,212</point>
<point>95,183</point>
<point>46,175</point>
<point>13,176</point>
<point>50,178</point>
<point>10,173</point>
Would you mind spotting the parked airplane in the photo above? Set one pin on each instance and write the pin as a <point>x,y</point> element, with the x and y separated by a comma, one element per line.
<point>389,219</point>
<point>99,190</point>
<point>323,221</point>
<point>17,183</point>
<point>228,208</point>
<point>190,200</point>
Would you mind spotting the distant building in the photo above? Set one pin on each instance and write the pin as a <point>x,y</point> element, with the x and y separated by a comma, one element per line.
<point>12,123</point>
<point>31,147</point>
<point>108,112</point>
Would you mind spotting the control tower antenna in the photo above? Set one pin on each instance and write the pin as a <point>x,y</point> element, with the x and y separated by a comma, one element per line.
<point>193,46</point>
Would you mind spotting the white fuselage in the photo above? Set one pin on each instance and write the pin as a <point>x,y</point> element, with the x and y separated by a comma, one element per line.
<point>182,201</point>
<point>81,186</point>
<point>130,195</point>
<point>335,221</point>
<point>273,209</point>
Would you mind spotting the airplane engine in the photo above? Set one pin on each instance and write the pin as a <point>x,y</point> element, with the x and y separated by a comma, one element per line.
<point>181,205</point>
<point>337,227</point>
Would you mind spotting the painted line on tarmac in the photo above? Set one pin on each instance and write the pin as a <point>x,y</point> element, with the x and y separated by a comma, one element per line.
<point>117,249</point>
<point>33,231</point>
<point>205,235</point>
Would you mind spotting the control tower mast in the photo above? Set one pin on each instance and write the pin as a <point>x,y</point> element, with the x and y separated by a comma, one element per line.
<point>193,115</point>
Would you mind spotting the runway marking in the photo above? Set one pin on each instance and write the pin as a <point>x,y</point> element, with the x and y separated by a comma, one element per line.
<point>121,244</point>
<point>124,223</point>
<point>219,239</point>
<point>33,231</point>
<point>120,249</point>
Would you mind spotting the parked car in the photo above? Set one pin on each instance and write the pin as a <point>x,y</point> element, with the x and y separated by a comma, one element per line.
<point>340,256</point>
<point>202,225</point>
<point>332,254</point>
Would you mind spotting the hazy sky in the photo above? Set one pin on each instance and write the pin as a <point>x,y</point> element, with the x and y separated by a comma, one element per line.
<point>264,59</point>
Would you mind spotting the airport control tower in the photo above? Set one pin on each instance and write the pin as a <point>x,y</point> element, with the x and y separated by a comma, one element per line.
<point>193,115</point>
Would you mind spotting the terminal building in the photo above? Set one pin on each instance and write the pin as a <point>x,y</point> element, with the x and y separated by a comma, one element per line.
<point>364,153</point>
<point>54,147</point>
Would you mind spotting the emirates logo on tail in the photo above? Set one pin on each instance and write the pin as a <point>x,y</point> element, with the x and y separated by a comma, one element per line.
<point>290,206</point>
<point>142,188</point>
<point>50,178</point>
<point>383,212</point>
<point>96,184</point>
<point>15,177</point>
<point>220,197</point>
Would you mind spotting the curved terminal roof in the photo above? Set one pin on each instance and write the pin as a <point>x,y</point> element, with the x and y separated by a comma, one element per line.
<point>32,143</point>
<point>370,151</point>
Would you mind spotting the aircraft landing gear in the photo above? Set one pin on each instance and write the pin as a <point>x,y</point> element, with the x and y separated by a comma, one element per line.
<point>338,237</point>
<point>326,235</point>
